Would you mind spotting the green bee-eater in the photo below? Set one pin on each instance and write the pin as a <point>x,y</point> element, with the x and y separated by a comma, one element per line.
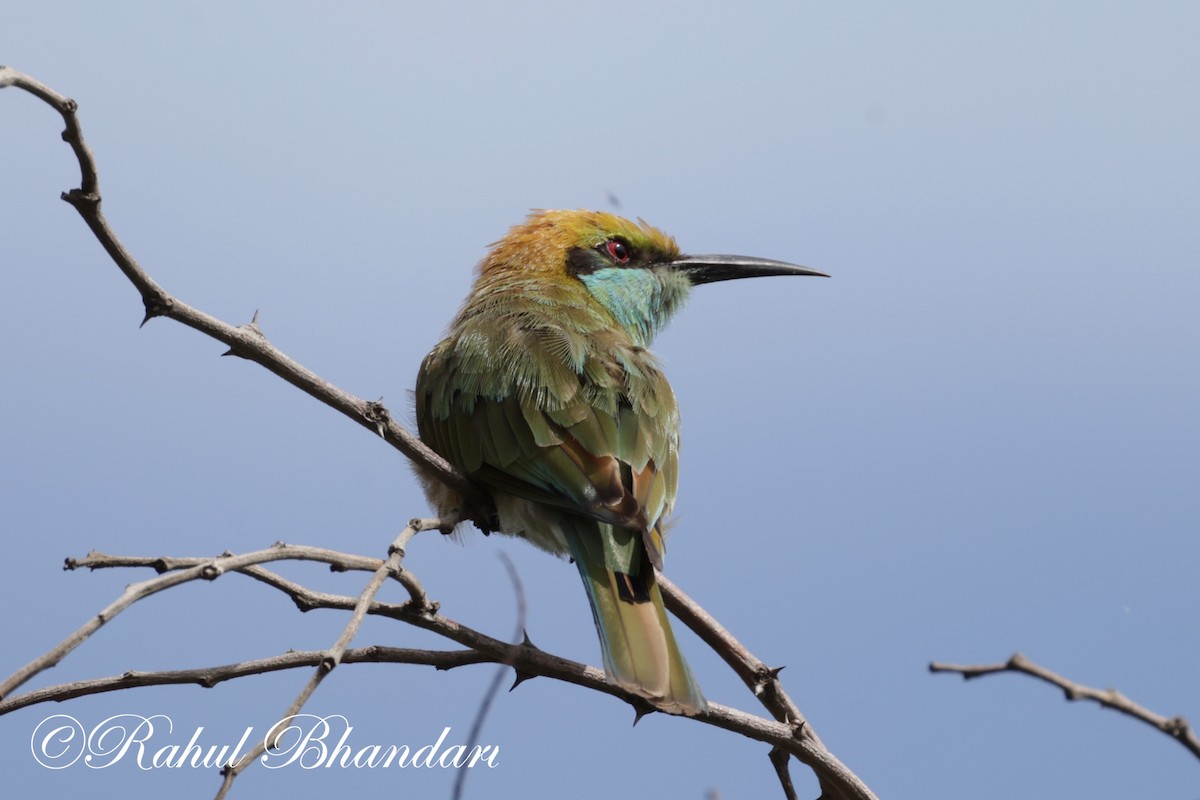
<point>545,393</point>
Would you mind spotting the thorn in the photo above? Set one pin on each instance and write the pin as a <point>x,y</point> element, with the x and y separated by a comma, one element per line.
<point>520,677</point>
<point>774,673</point>
<point>376,413</point>
<point>252,328</point>
<point>78,198</point>
<point>252,325</point>
<point>641,709</point>
<point>155,307</point>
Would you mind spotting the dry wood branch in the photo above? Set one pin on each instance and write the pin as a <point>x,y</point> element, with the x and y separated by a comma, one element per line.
<point>764,682</point>
<point>523,657</point>
<point>494,686</point>
<point>209,677</point>
<point>201,569</point>
<point>789,734</point>
<point>780,760</point>
<point>333,656</point>
<point>246,341</point>
<point>1175,727</point>
<point>337,560</point>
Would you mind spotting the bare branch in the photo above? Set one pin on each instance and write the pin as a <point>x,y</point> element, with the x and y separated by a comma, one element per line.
<point>333,656</point>
<point>202,569</point>
<point>208,677</point>
<point>246,340</point>
<point>493,689</point>
<point>837,780</point>
<point>1175,727</point>
<point>337,560</point>
<point>524,657</point>
<point>780,760</point>
<point>761,679</point>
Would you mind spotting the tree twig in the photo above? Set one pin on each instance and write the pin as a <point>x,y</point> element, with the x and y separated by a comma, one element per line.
<point>764,682</point>
<point>1175,727</point>
<point>779,760</point>
<point>333,656</point>
<point>201,569</point>
<point>208,677</point>
<point>493,689</point>
<point>246,341</point>
<point>525,658</point>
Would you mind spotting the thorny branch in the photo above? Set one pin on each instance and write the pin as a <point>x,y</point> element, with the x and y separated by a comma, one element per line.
<point>208,677</point>
<point>1175,727</point>
<point>789,734</point>
<point>200,569</point>
<point>762,680</point>
<point>528,660</point>
<point>333,657</point>
<point>246,341</point>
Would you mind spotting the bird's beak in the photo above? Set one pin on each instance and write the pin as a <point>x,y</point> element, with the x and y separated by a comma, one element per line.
<point>710,269</point>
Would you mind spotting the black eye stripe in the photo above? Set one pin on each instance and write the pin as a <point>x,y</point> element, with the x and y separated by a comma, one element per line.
<point>584,261</point>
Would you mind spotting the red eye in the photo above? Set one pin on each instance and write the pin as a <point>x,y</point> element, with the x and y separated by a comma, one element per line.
<point>618,250</point>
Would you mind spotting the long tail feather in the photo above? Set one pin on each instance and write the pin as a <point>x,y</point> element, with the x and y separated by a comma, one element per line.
<point>638,646</point>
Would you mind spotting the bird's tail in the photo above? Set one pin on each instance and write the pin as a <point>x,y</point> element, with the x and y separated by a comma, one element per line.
<point>639,649</point>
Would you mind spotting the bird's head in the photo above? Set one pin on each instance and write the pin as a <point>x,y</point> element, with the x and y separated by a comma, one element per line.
<point>632,269</point>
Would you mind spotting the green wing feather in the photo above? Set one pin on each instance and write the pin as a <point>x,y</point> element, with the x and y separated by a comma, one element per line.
<point>563,410</point>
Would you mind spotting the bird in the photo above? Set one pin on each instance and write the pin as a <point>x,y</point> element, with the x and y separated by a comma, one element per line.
<point>544,392</point>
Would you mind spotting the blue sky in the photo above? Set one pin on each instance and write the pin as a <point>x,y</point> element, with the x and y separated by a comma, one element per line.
<point>979,436</point>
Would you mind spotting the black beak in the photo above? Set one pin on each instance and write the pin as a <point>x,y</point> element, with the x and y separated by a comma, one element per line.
<point>710,269</point>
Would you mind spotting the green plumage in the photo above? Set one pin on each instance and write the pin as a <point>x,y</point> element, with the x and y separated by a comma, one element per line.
<point>541,393</point>
<point>539,403</point>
